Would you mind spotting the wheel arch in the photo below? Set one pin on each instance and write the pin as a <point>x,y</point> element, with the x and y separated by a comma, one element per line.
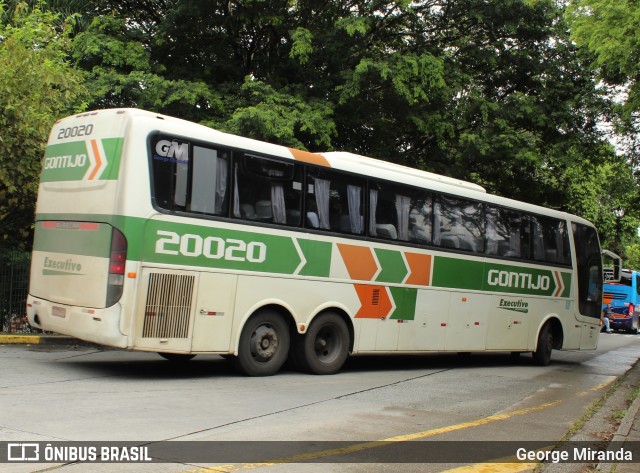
<point>556,330</point>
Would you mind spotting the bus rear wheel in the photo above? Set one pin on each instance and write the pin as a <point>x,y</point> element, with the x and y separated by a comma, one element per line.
<point>542,355</point>
<point>264,344</point>
<point>325,347</point>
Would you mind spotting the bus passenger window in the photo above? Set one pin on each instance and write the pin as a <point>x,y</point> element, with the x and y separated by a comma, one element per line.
<point>550,240</point>
<point>399,213</point>
<point>504,233</point>
<point>420,217</point>
<point>460,224</point>
<point>267,190</point>
<point>334,202</point>
<point>210,181</point>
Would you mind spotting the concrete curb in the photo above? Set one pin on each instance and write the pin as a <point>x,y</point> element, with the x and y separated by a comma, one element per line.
<point>625,426</point>
<point>37,339</point>
<point>622,433</point>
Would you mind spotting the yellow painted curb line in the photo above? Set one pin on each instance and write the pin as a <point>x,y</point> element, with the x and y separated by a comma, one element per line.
<point>16,339</point>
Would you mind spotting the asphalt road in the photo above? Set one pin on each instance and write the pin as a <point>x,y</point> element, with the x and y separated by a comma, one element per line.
<point>85,394</point>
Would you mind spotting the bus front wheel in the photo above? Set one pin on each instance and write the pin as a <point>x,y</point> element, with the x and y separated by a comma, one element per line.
<point>325,347</point>
<point>264,344</point>
<point>542,355</point>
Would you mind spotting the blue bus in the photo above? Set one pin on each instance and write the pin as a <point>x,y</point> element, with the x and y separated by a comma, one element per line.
<point>623,301</point>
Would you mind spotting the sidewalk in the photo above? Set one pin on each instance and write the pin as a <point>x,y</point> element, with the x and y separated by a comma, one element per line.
<point>600,428</point>
<point>628,431</point>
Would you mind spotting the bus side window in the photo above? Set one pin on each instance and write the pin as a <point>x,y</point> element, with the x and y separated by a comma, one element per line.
<point>420,216</point>
<point>461,224</point>
<point>335,202</point>
<point>399,213</point>
<point>503,233</point>
<point>550,241</point>
<point>267,190</point>
<point>209,185</point>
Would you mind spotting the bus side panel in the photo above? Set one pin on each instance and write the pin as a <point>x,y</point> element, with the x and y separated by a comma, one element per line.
<point>213,313</point>
<point>510,322</point>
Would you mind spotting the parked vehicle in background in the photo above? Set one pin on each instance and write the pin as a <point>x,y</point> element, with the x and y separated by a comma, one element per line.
<point>623,299</point>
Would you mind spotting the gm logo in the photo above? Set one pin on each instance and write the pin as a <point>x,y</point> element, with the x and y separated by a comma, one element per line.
<point>23,452</point>
<point>173,149</point>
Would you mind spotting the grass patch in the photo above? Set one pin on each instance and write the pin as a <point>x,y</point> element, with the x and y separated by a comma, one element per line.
<point>619,414</point>
<point>633,394</point>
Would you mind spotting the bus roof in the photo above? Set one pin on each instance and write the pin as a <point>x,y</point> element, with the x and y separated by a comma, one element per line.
<point>343,159</point>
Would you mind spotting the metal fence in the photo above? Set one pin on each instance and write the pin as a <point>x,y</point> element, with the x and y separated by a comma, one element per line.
<point>14,285</point>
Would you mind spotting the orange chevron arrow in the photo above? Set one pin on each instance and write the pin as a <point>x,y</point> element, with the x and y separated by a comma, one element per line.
<point>374,300</point>
<point>419,269</point>
<point>359,261</point>
<point>96,154</point>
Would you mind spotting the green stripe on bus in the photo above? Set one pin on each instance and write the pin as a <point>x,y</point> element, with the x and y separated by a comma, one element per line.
<point>202,246</point>
<point>458,273</point>
<point>393,268</point>
<point>195,245</point>
<point>78,160</point>
<point>405,301</point>
<point>318,258</point>
<point>488,276</point>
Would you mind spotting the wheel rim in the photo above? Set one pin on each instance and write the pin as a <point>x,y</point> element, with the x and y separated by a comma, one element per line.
<point>264,343</point>
<point>327,344</point>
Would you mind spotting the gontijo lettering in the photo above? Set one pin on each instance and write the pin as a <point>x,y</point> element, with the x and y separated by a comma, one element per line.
<point>67,161</point>
<point>518,280</point>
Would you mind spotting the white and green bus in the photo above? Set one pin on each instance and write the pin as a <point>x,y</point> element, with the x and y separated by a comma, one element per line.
<point>157,234</point>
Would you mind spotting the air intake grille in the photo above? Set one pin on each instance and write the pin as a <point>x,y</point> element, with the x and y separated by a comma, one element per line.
<point>168,306</point>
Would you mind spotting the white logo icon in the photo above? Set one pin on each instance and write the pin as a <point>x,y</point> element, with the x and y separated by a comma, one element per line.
<point>23,452</point>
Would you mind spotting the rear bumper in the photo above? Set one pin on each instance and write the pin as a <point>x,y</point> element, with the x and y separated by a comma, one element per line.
<point>101,326</point>
<point>621,324</point>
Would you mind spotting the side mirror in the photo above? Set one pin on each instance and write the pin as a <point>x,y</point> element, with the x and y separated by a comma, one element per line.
<point>612,266</point>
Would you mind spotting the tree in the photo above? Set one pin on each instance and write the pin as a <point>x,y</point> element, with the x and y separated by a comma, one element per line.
<point>37,87</point>
<point>609,31</point>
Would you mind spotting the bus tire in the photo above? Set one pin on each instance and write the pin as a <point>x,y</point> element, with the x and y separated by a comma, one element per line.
<point>176,357</point>
<point>542,355</point>
<point>264,344</point>
<point>325,347</point>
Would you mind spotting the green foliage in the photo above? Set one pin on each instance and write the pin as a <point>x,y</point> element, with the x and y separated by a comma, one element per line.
<point>282,118</point>
<point>632,260</point>
<point>120,72</point>
<point>37,87</point>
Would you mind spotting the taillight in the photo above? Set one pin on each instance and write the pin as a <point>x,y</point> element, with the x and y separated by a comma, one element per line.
<point>117,262</point>
<point>630,310</point>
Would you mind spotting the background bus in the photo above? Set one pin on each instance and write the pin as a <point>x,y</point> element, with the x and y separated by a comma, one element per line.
<point>156,234</point>
<point>622,298</point>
